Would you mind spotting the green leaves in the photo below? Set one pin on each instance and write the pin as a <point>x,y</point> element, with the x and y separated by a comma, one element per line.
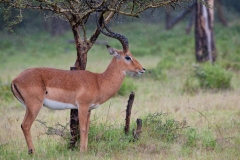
<point>213,77</point>
<point>9,19</point>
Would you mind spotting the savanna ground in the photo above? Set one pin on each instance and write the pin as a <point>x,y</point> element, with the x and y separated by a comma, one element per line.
<point>164,98</point>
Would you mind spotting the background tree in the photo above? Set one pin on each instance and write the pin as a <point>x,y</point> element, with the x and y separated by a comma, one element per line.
<point>204,35</point>
<point>205,48</point>
<point>77,13</point>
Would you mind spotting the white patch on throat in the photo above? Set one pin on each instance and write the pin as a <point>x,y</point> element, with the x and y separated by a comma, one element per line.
<point>51,104</point>
<point>93,106</point>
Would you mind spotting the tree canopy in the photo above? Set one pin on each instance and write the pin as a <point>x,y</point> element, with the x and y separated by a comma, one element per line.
<point>77,12</point>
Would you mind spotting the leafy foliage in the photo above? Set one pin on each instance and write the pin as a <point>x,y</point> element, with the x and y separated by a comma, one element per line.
<point>191,135</point>
<point>11,21</point>
<point>213,77</point>
<point>207,76</point>
<point>5,91</point>
<point>161,127</point>
<point>208,139</point>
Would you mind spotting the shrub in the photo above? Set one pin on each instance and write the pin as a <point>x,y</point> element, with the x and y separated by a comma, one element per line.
<point>191,135</point>
<point>160,126</point>
<point>127,87</point>
<point>167,63</point>
<point>157,73</point>
<point>208,139</point>
<point>231,65</point>
<point>5,91</point>
<point>207,76</point>
<point>213,77</point>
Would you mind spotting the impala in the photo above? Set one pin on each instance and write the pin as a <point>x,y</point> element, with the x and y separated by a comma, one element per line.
<point>79,89</point>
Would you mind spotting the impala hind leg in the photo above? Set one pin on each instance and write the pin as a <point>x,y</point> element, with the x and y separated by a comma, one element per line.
<point>30,116</point>
<point>84,120</point>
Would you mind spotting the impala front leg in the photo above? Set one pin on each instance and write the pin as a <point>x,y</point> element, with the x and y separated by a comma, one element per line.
<point>84,118</point>
<point>88,125</point>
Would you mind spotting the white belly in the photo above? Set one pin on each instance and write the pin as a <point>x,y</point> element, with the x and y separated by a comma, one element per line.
<point>94,106</point>
<point>57,105</point>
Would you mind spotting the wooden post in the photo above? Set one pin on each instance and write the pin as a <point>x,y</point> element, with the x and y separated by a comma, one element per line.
<point>138,131</point>
<point>128,113</point>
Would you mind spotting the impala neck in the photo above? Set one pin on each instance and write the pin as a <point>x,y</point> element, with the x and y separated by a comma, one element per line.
<point>111,80</point>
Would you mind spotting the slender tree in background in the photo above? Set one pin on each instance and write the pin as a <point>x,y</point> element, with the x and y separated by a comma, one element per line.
<point>76,13</point>
<point>220,13</point>
<point>205,49</point>
<point>171,23</point>
<point>167,18</point>
<point>204,35</point>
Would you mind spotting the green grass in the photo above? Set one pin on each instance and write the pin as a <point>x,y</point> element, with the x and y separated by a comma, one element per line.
<point>212,128</point>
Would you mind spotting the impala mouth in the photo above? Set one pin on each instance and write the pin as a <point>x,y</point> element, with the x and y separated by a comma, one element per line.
<point>142,71</point>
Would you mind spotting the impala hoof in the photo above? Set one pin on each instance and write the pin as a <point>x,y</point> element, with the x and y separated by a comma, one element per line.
<point>30,151</point>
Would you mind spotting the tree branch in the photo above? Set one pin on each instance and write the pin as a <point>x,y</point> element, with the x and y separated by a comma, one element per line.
<point>84,31</point>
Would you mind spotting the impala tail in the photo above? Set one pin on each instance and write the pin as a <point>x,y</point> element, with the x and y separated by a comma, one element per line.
<point>17,93</point>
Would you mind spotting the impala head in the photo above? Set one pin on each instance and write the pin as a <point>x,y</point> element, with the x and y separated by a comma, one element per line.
<point>125,59</point>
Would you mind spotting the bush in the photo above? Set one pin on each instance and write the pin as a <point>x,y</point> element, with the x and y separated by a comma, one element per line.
<point>191,137</point>
<point>127,87</point>
<point>158,73</point>
<point>207,76</point>
<point>5,91</point>
<point>167,63</point>
<point>213,77</point>
<point>160,126</point>
<point>231,62</point>
<point>208,139</point>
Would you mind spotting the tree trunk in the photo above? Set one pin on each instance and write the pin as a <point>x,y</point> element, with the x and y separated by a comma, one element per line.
<point>173,22</point>
<point>191,21</point>
<point>82,48</point>
<point>167,18</point>
<point>220,13</point>
<point>204,36</point>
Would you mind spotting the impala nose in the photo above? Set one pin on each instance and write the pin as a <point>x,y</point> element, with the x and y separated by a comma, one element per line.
<point>142,71</point>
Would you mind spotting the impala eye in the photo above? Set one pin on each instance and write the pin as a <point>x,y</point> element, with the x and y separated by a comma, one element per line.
<point>128,58</point>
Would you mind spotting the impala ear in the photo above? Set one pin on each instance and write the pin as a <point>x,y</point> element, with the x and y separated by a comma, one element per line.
<point>113,51</point>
